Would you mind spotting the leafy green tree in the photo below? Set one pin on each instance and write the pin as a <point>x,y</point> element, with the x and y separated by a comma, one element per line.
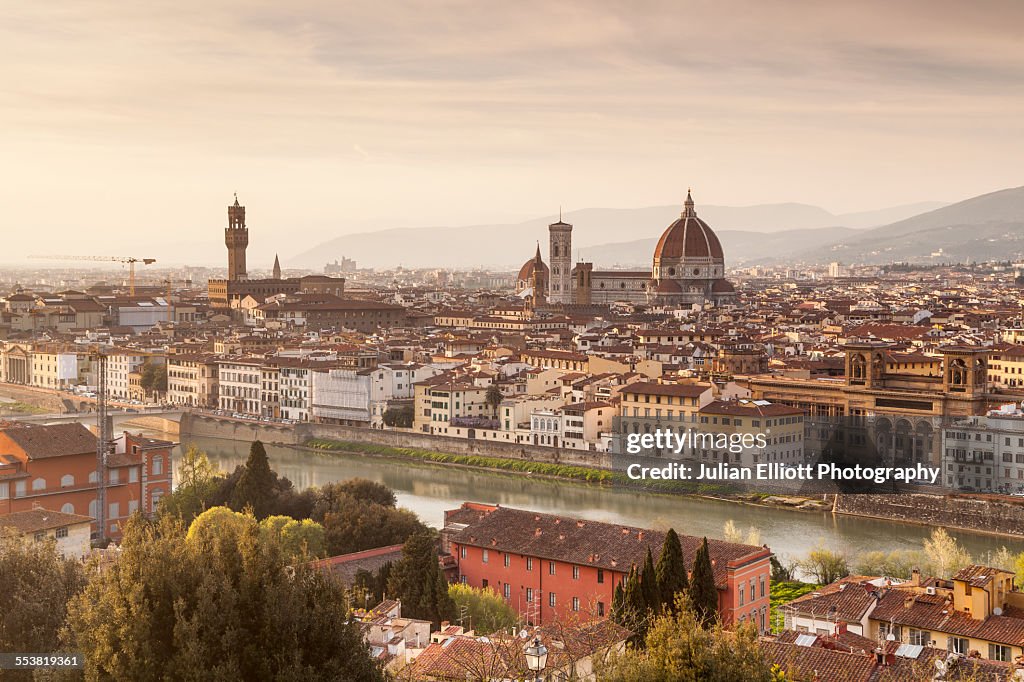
<point>218,522</point>
<point>369,588</point>
<point>824,565</point>
<point>493,398</point>
<point>682,647</point>
<point>649,584</point>
<point>352,526</point>
<point>326,497</point>
<point>671,571</point>
<point>418,582</point>
<point>197,485</point>
<point>256,487</point>
<point>782,573</point>
<point>37,584</point>
<point>485,611</point>
<point>217,606</point>
<point>303,538</point>
<point>153,377</point>
<point>945,555</point>
<point>401,417</point>
<point>703,593</point>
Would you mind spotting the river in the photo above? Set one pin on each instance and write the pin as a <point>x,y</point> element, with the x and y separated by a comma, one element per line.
<point>429,490</point>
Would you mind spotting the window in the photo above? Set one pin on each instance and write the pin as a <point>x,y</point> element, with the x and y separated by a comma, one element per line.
<point>462,579</point>
<point>886,629</point>
<point>551,568</point>
<point>575,603</point>
<point>485,556</point>
<point>507,591</point>
<point>600,609</point>
<point>462,552</point>
<point>61,533</point>
<point>529,565</point>
<point>484,583</point>
<point>600,576</point>
<point>575,572</point>
<point>40,536</point>
<point>998,652</point>
<point>743,593</point>
<point>67,508</point>
<point>551,599</point>
<point>133,506</point>
<point>67,480</point>
<point>920,637</point>
<point>752,595</point>
<point>4,491</point>
<point>114,510</point>
<point>529,594</point>
<point>507,560</point>
<point>133,475</point>
<point>762,587</point>
<point>115,476</point>
<point>39,484</point>
<point>158,466</point>
<point>959,645</point>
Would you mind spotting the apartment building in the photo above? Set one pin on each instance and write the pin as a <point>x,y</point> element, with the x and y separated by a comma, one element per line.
<point>560,569</point>
<point>54,467</point>
<point>192,380</point>
<point>985,453</point>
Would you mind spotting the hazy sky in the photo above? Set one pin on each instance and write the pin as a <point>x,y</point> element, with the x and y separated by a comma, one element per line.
<point>125,125</point>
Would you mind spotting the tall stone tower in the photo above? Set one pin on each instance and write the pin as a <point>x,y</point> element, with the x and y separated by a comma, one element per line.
<point>236,237</point>
<point>560,280</point>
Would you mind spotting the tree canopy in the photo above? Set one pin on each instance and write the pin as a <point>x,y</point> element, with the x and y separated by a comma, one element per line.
<point>418,582</point>
<point>703,593</point>
<point>219,606</point>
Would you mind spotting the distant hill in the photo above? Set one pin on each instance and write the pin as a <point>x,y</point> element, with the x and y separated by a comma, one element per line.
<point>741,247</point>
<point>598,236</point>
<point>990,226</point>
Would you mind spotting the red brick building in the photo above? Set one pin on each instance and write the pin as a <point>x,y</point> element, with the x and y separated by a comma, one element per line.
<point>556,568</point>
<point>54,467</point>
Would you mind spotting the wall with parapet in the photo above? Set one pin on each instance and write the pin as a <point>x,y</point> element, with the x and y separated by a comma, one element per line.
<point>945,511</point>
<point>209,426</point>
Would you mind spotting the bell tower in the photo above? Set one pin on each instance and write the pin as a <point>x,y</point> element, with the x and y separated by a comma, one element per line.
<point>236,238</point>
<point>560,279</point>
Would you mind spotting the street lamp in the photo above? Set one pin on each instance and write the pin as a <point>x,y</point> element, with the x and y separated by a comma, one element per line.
<point>536,657</point>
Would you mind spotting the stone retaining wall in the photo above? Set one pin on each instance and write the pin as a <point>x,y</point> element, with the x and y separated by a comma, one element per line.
<point>947,511</point>
<point>208,426</point>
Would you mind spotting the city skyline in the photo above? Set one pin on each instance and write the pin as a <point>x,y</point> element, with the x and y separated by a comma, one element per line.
<point>129,124</point>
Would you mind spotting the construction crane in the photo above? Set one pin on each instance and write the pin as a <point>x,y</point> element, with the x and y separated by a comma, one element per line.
<point>103,441</point>
<point>130,260</point>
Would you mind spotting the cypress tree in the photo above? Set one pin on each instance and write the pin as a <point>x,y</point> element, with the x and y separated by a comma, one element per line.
<point>257,483</point>
<point>671,571</point>
<point>417,581</point>
<point>703,593</point>
<point>649,584</point>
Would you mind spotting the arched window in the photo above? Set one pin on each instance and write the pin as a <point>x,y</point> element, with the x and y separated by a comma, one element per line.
<point>67,480</point>
<point>92,508</point>
<point>39,484</point>
<point>92,477</point>
<point>68,508</point>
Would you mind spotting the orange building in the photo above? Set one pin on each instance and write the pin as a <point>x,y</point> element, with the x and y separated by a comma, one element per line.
<point>559,569</point>
<point>54,467</point>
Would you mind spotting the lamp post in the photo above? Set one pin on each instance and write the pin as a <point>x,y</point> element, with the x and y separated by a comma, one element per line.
<point>536,657</point>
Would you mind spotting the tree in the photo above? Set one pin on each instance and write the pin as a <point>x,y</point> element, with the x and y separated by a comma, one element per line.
<point>197,485</point>
<point>401,417</point>
<point>824,565</point>
<point>352,526</point>
<point>493,398</point>
<point>153,377</point>
<point>945,555</point>
<point>326,497</point>
<point>896,564</point>
<point>256,485</point>
<point>418,582</point>
<point>629,609</point>
<point>682,647</point>
<point>214,607</point>
<point>485,612</point>
<point>671,571</point>
<point>782,573</point>
<point>649,584</point>
<point>703,593</point>
<point>37,584</point>
<point>299,539</point>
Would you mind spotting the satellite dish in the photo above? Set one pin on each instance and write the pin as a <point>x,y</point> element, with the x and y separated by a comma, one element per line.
<point>890,637</point>
<point>997,611</point>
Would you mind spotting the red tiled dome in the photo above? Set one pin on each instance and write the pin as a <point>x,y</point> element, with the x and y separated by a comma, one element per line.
<point>688,237</point>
